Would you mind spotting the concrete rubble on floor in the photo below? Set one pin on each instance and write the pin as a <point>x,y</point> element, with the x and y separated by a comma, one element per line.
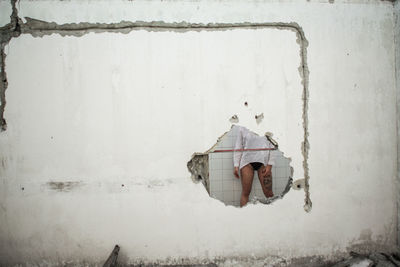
<point>354,259</point>
<point>373,259</point>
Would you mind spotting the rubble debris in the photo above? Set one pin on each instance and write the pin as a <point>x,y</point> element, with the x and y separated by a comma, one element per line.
<point>373,259</point>
<point>234,119</point>
<point>259,118</point>
<point>112,259</point>
<point>198,167</point>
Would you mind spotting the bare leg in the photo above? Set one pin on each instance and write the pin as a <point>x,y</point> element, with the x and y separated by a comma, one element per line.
<point>266,182</point>
<point>247,175</point>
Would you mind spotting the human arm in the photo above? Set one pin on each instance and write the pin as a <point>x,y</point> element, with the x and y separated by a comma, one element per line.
<point>270,157</point>
<point>266,171</point>
<point>237,155</point>
<point>236,172</point>
<point>272,154</point>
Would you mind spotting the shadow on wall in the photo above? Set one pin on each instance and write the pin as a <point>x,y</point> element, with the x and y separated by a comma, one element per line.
<point>214,169</point>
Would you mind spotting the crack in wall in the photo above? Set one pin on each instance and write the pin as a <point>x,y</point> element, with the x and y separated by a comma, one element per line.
<point>39,28</point>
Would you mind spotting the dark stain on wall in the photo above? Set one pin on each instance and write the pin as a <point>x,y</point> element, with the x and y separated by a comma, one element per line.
<point>63,186</point>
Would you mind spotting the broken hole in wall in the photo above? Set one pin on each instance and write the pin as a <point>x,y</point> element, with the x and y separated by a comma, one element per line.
<point>215,170</point>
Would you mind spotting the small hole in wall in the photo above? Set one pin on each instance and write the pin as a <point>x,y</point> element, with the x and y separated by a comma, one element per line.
<point>215,168</point>
<point>246,104</point>
<point>122,185</point>
<point>22,188</point>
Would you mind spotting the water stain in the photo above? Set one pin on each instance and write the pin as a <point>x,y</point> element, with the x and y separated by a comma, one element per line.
<point>63,186</point>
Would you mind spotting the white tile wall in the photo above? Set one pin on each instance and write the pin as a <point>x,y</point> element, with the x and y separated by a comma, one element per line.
<point>227,188</point>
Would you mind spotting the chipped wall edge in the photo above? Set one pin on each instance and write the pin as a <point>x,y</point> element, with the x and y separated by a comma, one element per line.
<point>396,15</point>
<point>198,166</point>
<point>7,32</point>
<point>38,28</point>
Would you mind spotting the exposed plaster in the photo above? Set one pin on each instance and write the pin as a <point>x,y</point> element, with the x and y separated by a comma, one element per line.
<point>7,32</point>
<point>38,28</point>
<point>198,167</point>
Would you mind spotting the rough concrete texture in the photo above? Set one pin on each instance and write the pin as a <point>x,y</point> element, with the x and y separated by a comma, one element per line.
<point>5,11</point>
<point>198,167</point>
<point>10,30</point>
<point>369,260</point>
<point>353,259</point>
<point>397,74</point>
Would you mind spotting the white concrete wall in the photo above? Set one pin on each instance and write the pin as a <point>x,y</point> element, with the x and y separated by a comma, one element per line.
<point>397,68</point>
<point>102,111</point>
<point>5,12</point>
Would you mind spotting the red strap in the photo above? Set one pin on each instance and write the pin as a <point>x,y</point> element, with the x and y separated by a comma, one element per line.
<point>239,150</point>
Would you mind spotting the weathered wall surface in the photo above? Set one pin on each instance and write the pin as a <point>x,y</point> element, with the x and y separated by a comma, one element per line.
<point>100,127</point>
<point>5,12</point>
<point>397,69</point>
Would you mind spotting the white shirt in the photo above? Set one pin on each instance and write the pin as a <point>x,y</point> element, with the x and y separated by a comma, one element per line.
<point>248,140</point>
